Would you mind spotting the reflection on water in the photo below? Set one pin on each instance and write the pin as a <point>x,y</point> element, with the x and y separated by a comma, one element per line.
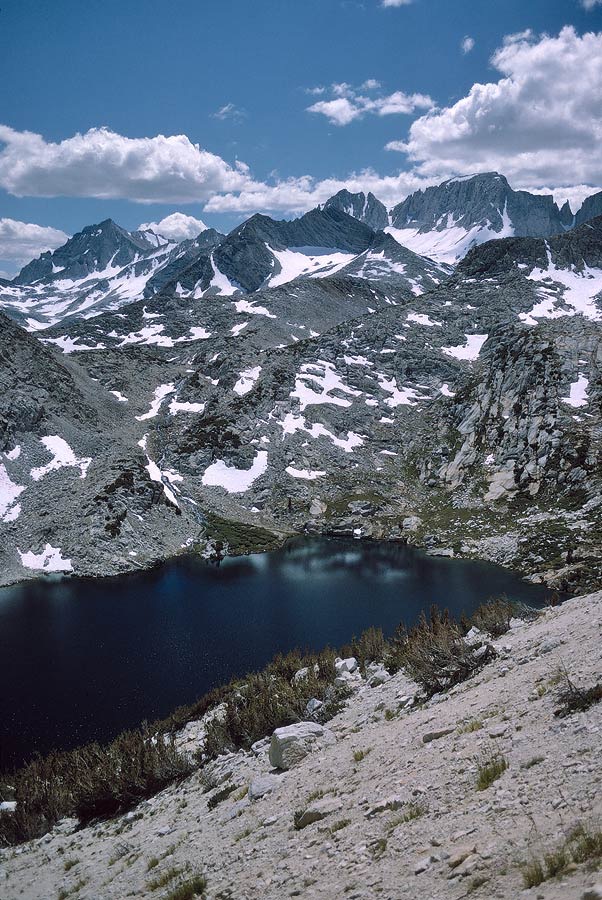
<point>83,659</point>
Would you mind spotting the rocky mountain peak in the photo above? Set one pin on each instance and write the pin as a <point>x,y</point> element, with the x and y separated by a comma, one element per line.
<point>365,207</point>
<point>591,208</point>
<point>485,200</point>
<point>92,250</point>
<point>566,215</point>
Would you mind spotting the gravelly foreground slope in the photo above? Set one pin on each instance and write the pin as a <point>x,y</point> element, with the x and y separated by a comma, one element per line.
<point>388,797</point>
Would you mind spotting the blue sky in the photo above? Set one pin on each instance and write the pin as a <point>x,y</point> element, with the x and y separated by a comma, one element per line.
<point>144,68</point>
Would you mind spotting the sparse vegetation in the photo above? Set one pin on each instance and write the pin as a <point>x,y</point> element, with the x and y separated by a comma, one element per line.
<point>96,782</point>
<point>378,847</point>
<point>470,726</point>
<point>573,698</point>
<point>494,617</point>
<point>90,782</point>
<point>163,879</point>
<point>435,654</point>
<point>268,700</point>
<point>534,761</point>
<point>370,647</point>
<point>489,770</point>
<point>69,863</point>
<point>359,755</point>
<point>584,845</point>
<point>187,890</point>
<point>412,811</point>
<point>338,826</point>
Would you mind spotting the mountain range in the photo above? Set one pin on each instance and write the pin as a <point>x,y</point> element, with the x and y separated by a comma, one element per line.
<point>429,374</point>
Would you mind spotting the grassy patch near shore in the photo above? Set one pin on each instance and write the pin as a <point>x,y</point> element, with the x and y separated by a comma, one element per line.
<point>240,536</point>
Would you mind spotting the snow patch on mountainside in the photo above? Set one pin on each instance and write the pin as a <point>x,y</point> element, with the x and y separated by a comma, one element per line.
<point>160,394</point>
<point>314,261</point>
<point>49,560</point>
<point>62,455</point>
<point>561,288</point>
<point>247,380</point>
<point>318,382</point>
<point>449,242</point>
<point>577,393</point>
<point>9,491</point>
<point>469,350</point>
<point>233,480</point>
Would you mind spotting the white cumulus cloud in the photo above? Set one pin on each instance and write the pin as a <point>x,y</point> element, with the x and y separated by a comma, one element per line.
<point>349,103</point>
<point>539,124</point>
<point>296,195</point>
<point>177,226</point>
<point>590,4</point>
<point>396,2</point>
<point>22,241</point>
<point>467,44</point>
<point>107,165</point>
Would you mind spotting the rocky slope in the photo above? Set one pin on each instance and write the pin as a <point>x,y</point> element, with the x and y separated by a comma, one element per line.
<point>460,412</point>
<point>365,207</point>
<point>388,799</point>
<point>446,220</point>
<point>102,267</point>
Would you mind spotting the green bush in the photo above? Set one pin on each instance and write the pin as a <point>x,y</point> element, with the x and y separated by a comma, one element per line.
<point>434,653</point>
<point>268,700</point>
<point>90,782</point>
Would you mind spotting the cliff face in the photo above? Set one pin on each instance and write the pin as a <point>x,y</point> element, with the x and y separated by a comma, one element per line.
<point>476,200</point>
<point>458,795</point>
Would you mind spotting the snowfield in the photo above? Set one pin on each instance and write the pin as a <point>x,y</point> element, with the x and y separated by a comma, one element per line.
<point>233,480</point>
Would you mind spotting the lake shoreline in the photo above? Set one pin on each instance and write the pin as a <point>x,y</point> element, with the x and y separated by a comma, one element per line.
<point>123,649</point>
<point>156,564</point>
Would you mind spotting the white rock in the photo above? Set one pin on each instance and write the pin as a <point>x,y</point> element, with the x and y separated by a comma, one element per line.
<point>313,706</point>
<point>262,785</point>
<point>345,665</point>
<point>423,864</point>
<point>593,893</point>
<point>376,674</point>
<point>293,742</point>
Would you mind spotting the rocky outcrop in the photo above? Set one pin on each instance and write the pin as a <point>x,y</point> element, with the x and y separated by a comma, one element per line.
<point>590,209</point>
<point>293,742</point>
<point>364,207</point>
<point>479,200</point>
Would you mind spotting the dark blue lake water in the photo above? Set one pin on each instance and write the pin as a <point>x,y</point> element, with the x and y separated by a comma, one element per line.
<point>84,659</point>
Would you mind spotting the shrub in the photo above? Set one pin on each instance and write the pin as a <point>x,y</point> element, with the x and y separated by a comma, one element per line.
<point>435,655</point>
<point>573,698</point>
<point>187,890</point>
<point>359,755</point>
<point>489,770</point>
<point>369,647</point>
<point>493,617</point>
<point>268,700</point>
<point>220,796</point>
<point>338,826</point>
<point>90,782</point>
<point>583,845</point>
<point>533,873</point>
<point>164,878</point>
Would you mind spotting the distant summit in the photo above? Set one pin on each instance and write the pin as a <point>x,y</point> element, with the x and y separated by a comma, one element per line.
<point>364,207</point>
